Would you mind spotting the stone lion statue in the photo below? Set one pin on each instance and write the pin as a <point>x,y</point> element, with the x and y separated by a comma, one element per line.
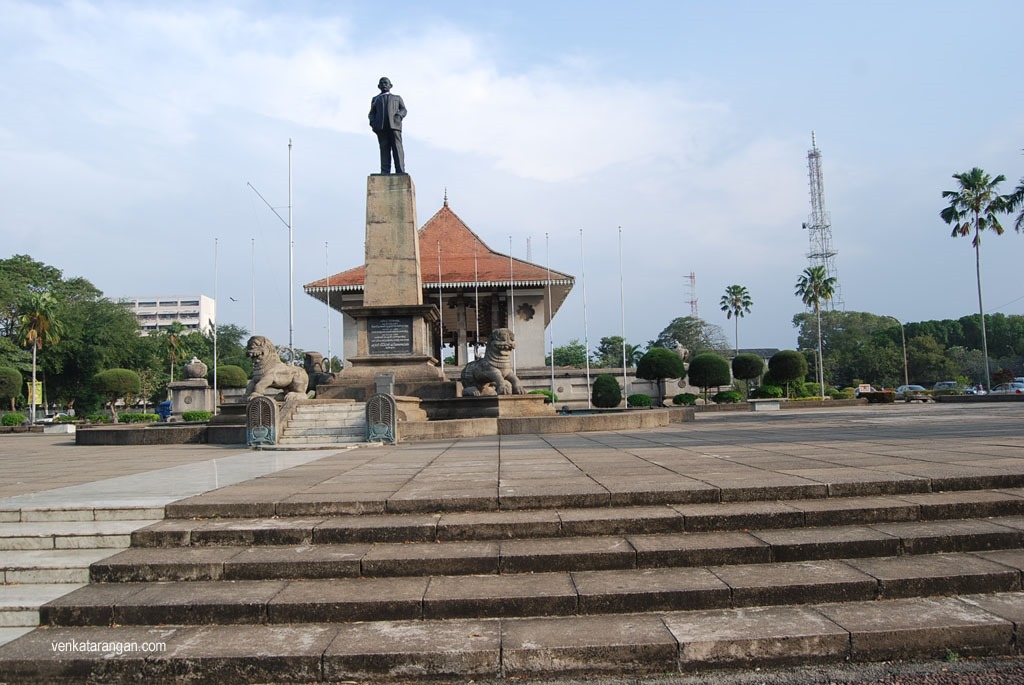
<point>493,374</point>
<point>270,373</point>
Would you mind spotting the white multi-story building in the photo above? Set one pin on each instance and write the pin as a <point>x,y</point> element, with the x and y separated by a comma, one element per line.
<point>194,312</point>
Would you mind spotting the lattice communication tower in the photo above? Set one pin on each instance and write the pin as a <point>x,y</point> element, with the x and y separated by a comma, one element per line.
<point>692,292</point>
<point>819,225</point>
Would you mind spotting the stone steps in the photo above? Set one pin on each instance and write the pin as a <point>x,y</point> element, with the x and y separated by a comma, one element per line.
<point>497,525</point>
<point>687,642</point>
<point>537,594</point>
<point>532,555</point>
<point>324,423</point>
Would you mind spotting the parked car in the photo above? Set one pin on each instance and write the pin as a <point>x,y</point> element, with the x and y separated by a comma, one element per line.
<point>52,418</point>
<point>909,393</point>
<point>1013,388</point>
<point>946,388</point>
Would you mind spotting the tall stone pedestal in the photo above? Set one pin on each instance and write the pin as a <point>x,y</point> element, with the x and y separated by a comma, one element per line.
<point>393,326</point>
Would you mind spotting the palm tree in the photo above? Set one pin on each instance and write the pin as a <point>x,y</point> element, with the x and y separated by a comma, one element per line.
<point>736,302</point>
<point>975,206</point>
<point>814,287</point>
<point>37,327</point>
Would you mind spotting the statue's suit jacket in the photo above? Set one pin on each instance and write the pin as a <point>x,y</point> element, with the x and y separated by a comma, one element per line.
<point>392,118</point>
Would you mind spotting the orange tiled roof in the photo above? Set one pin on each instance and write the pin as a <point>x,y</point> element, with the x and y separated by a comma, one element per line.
<point>465,260</point>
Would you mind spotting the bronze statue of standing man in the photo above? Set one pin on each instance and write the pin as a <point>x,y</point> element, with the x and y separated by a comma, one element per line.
<point>386,113</point>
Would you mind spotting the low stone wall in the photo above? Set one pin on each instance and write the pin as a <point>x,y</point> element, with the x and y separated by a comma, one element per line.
<point>172,434</point>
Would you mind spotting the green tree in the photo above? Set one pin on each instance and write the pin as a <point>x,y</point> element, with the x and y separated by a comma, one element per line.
<point>709,370</point>
<point>606,392</point>
<point>231,376</point>
<point>694,334</point>
<point>1015,202</point>
<point>813,287</point>
<point>10,384</point>
<point>735,303</point>
<point>574,354</point>
<point>608,354</point>
<point>787,366</point>
<point>115,384</point>
<point>976,206</point>
<point>747,367</point>
<point>658,364</point>
<point>38,326</point>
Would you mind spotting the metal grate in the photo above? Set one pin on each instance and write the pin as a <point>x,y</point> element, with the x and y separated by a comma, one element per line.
<point>261,422</point>
<point>381,419</point>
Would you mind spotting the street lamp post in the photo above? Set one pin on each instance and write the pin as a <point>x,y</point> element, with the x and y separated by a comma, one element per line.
<point>903,338</point>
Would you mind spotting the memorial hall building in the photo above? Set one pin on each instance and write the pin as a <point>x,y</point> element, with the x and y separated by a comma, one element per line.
<point>475,288</point>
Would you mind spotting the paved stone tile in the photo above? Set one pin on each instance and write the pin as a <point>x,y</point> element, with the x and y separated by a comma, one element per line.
<point>698,549</point>
<point>951,536</point>
<point>1008,605</point>
<point>424,558</point>
<point>920,628</point>
<point>620,520</point>
<point>492,596</point>
<point>378,528</point>
<point>617,643</point>
<point>565,554</point>
<point>938,574</point>
<point>90,605</point>
<point>656,589</point>
<point>303,504</point>
<point>761,636</point>
<point>154,564</point>
<point>200,602</point>
<point>969,504</point>
<point>499,525</point>
<point>803,582</point>
<point>851,510</point>
<point>303,561</point>
<point>841,542</point>
<point>413,650</point>
<point>739,516</point>
<point>1014,558</point>
<point>854,482</point>
<point>166,533</point>
<point>348,599</point>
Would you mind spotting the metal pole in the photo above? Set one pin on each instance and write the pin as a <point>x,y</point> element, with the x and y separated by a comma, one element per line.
<point>440,310</point>
<point>476,298</point>
<point>291,262</point>
<point>216,396</point>
<point>512,301</point>
<point>622,316</point>
<point>327,268</point>
<point>252,270</point>
<point>551,323</point>
<point>586,337</point>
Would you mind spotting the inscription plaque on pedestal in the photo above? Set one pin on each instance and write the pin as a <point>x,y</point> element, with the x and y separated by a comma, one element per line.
<point>390,335</point>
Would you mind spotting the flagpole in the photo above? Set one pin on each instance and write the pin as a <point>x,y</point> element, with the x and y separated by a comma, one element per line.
<point>512,303</point>
<point>327,268</point>
<point>622,314</point>
<point>440,310</point>
<point>476,297</point>
<point>551,323</point>
<point>215,396</point>
<point>586,337</point>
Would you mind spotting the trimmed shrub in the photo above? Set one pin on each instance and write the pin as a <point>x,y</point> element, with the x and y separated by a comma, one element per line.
<point>709,370</point>
<point>639,400</point>
<point>787,367</point>
<point>139,418</point>
<point>549,397</point>
<point>230,376</point>
<point>727,397</point>
<point>117,383</point>
<point>606,392</point>
<point>659,363</point>
<point>10,384</point>
<point>196,415</point>
<point>98,418</point>
<point>767,392</point>
<point>13,419</point>
<point>687,399</point>
<point>747,366</point>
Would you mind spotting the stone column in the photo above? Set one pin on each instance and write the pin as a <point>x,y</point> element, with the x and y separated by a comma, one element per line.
<point>463,344</point>
<point>392,243</point>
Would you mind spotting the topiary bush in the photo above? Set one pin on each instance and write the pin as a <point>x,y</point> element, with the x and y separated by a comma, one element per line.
<point>230,376</point>
<point>709,370</point>
<point>767,392</point>
<point>659,363</point>
<point>195,416</point>
<point>727,397</point>
<point>117,383</point>
<point>639,400</point>
<point>606,392</point>
<point>13,419</point>
<point>10,384</point>
<point>139,417</point>
<point>98,418</point>
<point>687,399</point>
<point>787,367</point>
<point>747,366</point>
<point>549,397</point>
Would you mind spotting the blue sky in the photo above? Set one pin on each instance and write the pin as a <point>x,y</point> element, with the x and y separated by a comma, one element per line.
<point>129,132</point>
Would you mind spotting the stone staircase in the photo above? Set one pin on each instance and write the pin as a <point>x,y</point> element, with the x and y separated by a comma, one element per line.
<point>46,553</point>
<point>324,422</point>
<point>546,592</point>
